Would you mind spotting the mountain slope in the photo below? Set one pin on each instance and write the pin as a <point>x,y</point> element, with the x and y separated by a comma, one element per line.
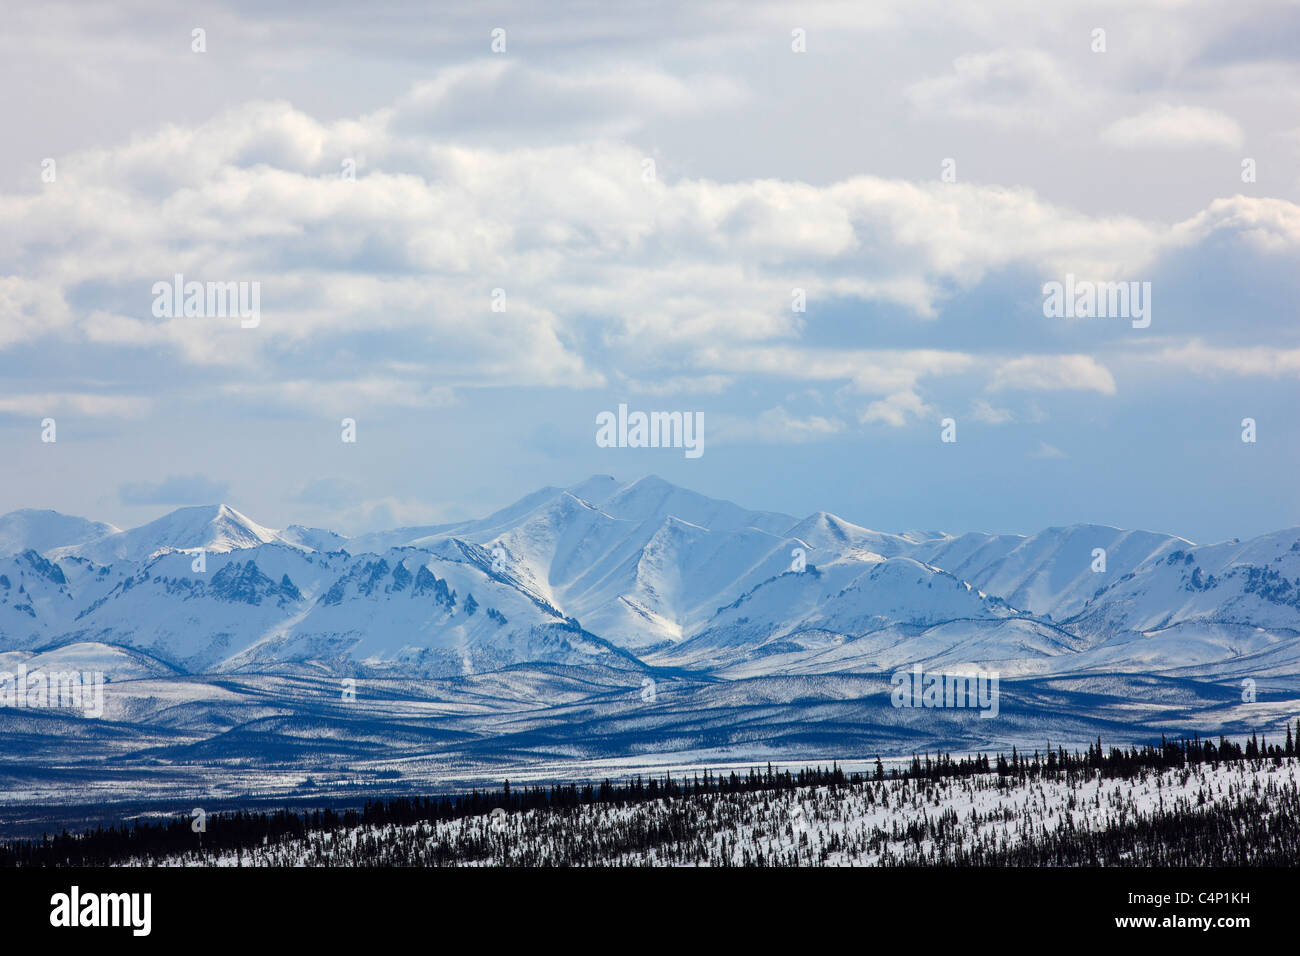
<point>42,531</point>
<point>630,574</point>
<point>1049,573</point>
<point>214,528</point>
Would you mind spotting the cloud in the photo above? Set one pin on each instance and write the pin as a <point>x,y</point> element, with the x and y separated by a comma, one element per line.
<point>388,512</point>
<point>335,493</point>
<point>76,404</point>
<point>1045,450</point>
<point>1267,225</point>
<point>896,410</point>
<point>30,308</point>
<point>511,100</point>
<point>1259,361</point>
<point>342,397</point>
<point>1053,373</point>
<point>682,384</point>
<point>175,490</point>
<point>379,292</point>
<point>1004,88</point>
<point>571,233</point>
<point>982,411</point>
<point>1177,127</point>
<point>775,426</point>
<point>341,504</point>
<point>867,371</point>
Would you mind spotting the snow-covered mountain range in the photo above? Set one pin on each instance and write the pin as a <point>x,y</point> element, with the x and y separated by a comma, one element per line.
<point>645,576</point>
<point>596,630</point>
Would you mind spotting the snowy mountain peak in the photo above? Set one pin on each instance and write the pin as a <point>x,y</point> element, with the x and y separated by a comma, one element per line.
<point>44,530</point>
<point>216,528</point>
<point>648,570</point>
<point>827,532</point>
<point>313,539</point>
<point>652,500</point>
<point>220,528</point>
<point>595,489</point>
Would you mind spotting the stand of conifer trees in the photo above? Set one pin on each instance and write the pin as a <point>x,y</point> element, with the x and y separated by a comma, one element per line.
<point>239,831</point>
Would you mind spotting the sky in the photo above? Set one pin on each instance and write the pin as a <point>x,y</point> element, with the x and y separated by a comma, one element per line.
<point>472,229</point>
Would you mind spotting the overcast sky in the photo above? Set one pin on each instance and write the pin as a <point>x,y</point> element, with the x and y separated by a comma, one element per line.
<point>647,184</point>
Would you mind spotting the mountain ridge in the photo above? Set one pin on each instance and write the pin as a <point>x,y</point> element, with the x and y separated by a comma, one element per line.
<point>653,574</point>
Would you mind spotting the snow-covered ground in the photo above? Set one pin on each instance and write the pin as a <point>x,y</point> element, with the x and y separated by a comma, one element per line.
<point>873,823</point>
